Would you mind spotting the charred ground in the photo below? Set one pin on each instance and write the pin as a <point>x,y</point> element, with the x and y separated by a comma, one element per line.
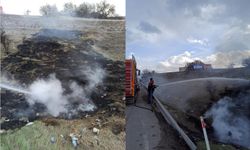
<point>67,53</point>
<point>234,104</point>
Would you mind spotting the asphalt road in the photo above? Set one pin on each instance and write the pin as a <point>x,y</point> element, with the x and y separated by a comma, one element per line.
<point>146,130</point>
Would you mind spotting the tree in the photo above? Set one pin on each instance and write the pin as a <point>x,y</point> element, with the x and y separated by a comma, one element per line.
<point>69,9</point>
<point>49,10</point>
<point>105,10</point>
<point>85,10</point>
<point>27,12</point>
<point>246,62</point>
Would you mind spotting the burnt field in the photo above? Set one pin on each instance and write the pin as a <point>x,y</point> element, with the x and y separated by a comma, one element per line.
<point>221,96</point>
<point>69,73</point>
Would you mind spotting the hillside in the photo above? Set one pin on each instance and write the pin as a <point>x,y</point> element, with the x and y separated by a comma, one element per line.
<point>73,69</point>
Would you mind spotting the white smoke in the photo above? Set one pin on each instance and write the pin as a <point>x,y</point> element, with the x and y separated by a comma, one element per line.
<point>52,94</point>
<point>95,76</point>
<point>230,125</point>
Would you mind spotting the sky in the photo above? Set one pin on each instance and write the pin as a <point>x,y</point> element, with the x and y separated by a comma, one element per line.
<point>164,35</point>
<point>21,6</point>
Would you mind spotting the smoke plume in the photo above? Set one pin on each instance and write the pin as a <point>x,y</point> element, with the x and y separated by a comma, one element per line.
<point>231,119</point>
<point>53,95</point>
<point>50,93</point>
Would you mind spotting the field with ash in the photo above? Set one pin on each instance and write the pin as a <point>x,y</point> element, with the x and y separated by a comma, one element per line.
<point>72,70</point>
<point>221,96</point>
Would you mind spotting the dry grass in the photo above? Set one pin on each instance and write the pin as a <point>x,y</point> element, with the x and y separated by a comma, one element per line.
<point>106,33</point>
<point>38,135</point>
<point>109,39</point>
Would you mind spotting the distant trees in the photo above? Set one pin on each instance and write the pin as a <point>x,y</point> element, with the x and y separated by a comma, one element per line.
<point>27,12</point>
<point>105,10</point>
<point>102,10</point>
<point>86,10</point>
<point>69,9</point>
<point>49,10</point>
<point>246,62</point>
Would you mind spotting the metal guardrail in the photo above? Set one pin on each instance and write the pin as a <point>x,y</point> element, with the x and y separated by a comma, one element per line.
<point>168,117</point>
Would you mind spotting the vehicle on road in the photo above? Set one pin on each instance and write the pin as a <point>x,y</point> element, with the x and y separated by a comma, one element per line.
<point>131,80</point>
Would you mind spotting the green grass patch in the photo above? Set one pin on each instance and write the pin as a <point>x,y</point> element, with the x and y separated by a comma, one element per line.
<point>35,137</point>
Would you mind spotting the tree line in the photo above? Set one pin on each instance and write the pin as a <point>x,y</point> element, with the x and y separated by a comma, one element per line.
<point>102,10</point>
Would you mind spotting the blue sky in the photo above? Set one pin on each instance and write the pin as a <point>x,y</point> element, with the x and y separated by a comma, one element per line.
<point>165,34</point>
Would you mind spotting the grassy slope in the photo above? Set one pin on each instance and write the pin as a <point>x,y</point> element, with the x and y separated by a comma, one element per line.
<point>38,136</point>
<point>110,37</point>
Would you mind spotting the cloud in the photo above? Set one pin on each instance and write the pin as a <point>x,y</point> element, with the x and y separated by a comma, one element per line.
<point>210,28</point>
<point>197,41</point>
<point>178,59</point>
<point>174,62</point>
<point>148,28</point>
<point>236,38</point>
<point>211,10</point>
<point>218,60</point>
<point>207,19</point>
<point>135,35</point>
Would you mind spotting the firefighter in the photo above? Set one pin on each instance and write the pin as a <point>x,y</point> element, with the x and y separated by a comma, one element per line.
<point>151,87</point>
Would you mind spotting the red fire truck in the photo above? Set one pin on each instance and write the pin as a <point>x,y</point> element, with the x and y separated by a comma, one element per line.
<point>131,81</point>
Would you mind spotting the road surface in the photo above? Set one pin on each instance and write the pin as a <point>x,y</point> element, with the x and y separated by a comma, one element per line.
<point>147,130</point>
